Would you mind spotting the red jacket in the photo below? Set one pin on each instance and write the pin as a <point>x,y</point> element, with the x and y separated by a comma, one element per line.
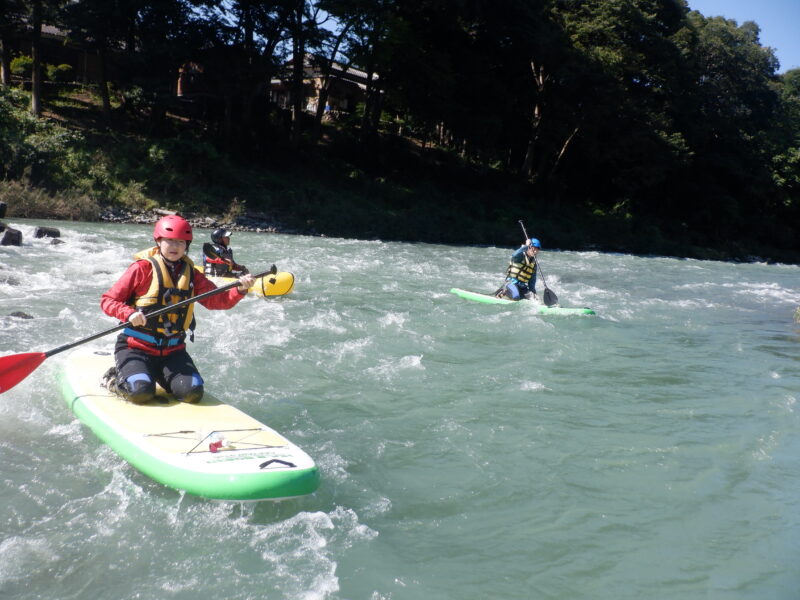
<point>136,281</point>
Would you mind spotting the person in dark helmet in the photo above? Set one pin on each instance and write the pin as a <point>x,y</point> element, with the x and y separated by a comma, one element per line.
<point>218,256</point>
<point>521,273</point>
<point>151,351</point>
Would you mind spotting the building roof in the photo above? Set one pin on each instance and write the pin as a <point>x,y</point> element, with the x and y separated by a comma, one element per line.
<point>312,70</point>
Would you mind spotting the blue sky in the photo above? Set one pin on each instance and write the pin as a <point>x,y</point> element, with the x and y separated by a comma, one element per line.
<point>779,21</point>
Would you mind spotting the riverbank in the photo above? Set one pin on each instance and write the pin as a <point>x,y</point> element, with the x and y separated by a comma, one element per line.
<point>256,222</point>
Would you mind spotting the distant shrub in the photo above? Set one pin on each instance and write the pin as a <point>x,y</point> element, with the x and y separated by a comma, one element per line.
<point>236,209</point>
<point>22,66</point>
<point>131,195</point>
<point>16,124</point>
<point>35,203</point>
<point>134,98</point>
<point>186,155</point>
<point>35,150</point>
<point>60,73</point>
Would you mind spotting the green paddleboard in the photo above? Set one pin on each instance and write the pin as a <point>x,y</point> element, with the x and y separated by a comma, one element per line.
<point>541,309</point>
<point>208,449</point>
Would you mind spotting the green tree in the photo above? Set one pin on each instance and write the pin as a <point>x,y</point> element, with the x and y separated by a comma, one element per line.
<point>36,15</point>
<point>791,83</point>
<point>38,12</point>
<point>622,90</point>
<point>786,156</point>
<point>303,29</point>
<point>731,110</point>
<point>368,47</point>
<point>166,34</point>
<point>347,18</point>
<point>242,54</point>
<point>100,27</point>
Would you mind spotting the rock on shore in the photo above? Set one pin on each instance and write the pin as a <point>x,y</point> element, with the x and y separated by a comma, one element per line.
<point>254,222</point>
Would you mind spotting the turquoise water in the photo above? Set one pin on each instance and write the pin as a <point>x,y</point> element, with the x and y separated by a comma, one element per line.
<point>467,451</point>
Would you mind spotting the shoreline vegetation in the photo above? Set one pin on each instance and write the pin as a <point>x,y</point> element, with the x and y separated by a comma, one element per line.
<point>34,203</point>
<point>312,192</point>
<point>616,126</point>
<point>117,175</point>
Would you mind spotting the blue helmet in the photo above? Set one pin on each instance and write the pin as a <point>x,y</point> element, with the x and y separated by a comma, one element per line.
<point>536,243</point>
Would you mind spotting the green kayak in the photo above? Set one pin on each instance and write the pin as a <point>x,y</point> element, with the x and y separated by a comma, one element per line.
<point>541,309</point>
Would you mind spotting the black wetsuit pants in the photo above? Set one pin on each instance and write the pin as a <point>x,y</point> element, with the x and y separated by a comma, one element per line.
<point>138,372</point>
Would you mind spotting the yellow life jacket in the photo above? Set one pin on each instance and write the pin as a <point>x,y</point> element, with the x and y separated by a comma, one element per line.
<point>163,291</point>
<point>522,271</point>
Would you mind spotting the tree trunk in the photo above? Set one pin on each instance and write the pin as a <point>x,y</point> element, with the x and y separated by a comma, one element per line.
<point>327,80</point>
<point>298,70</point>
<point>298,91</point>
<point>540,79</point>
<point>377,109</point>
<point>372,108</point>
<point>227,122</point>
<point>562,152</point>
<point>530,153</point>
<point>101,57</point>
<point>36,72</point>
<point>367,100</point>
<point>249,86</point>
<point>5,60</point>
<point>322,102</point>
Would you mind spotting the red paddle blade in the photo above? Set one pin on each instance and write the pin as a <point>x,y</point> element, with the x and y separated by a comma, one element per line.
<point>17,367</point>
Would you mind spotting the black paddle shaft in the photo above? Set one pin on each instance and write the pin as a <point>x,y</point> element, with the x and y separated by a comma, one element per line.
<point>273,269</point>
<point>525,233</point>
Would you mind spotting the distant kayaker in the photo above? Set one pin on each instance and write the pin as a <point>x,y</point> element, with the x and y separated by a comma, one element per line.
<point>521,273</point>
<point>218,256</point>
<point>150,352</point>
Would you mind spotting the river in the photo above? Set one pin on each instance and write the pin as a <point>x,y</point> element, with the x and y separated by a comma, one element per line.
<point>467,451</point>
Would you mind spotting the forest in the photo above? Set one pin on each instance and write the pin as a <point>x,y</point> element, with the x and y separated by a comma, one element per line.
<point>621,125</point>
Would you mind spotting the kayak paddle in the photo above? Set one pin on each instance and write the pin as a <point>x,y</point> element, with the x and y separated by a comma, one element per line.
<point>208,250</point>
<point>16,367</point>
<point>550,297</point>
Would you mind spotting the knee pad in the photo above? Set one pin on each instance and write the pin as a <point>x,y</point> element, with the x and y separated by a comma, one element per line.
<point>138,388</point>
<point>188,388</point>
<point>195,395</point>
<point>512,291</point>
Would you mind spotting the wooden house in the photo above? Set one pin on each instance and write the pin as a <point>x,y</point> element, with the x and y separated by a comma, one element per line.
<point>347,87</point>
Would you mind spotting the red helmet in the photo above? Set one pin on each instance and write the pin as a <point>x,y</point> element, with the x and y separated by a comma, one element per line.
<point>173,227</point>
